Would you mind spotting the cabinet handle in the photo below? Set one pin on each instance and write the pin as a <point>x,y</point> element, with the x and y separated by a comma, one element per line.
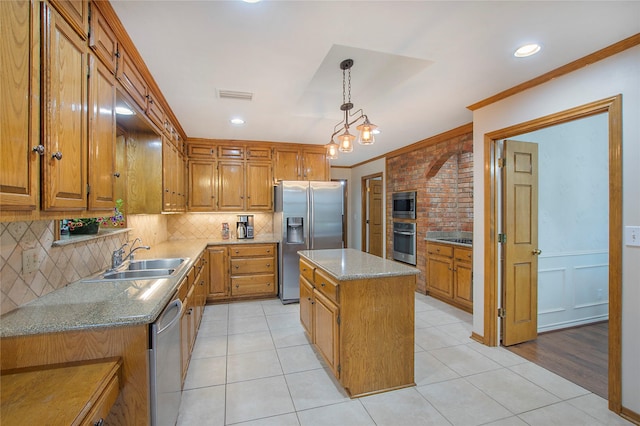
<point>189,311</point>
<point>38,149</point>
<point>99,422</point>
<point>57,155</point>
<point>116,174</point>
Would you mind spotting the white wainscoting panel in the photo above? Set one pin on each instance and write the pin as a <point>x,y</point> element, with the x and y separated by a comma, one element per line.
<point>573,289</point>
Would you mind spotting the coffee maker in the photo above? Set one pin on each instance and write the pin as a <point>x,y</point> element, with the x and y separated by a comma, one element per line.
<point>244,227</point>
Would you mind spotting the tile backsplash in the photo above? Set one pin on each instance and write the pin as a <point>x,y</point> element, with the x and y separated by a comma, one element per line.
<point>209,226</point>
<point>58,266</point>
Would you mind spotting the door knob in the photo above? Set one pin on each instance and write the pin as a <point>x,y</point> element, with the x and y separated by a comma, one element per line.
<point>537,252</point>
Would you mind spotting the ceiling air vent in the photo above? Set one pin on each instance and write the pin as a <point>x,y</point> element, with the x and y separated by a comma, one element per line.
<point>231,94</point>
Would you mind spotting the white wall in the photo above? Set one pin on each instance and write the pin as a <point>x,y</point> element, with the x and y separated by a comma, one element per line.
<point>355,198</point>
<point>619,74</point>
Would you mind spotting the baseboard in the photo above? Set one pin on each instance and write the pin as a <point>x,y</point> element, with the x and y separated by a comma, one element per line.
<point>572,324</point>
<point>478,338</point>
<point>630,415</point>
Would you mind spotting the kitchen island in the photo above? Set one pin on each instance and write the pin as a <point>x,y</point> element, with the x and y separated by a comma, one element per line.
<point>358,310</point>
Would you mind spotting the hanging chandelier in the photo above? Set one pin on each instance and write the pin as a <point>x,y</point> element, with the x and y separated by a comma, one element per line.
<point>345,139</point>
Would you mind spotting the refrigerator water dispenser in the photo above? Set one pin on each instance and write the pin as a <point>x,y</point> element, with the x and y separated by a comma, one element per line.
<point>295,234</point>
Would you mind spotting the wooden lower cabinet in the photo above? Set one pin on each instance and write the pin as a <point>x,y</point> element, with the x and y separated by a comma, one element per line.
<point>191,292</point>
<point>450,274</point>
<point>239,271</point>
<point>363,328</point>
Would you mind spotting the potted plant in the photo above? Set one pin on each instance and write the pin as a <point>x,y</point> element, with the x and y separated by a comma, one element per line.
<point>88,226</point>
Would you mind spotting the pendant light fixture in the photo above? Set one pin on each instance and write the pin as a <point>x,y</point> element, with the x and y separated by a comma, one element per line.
<point>345,139</point>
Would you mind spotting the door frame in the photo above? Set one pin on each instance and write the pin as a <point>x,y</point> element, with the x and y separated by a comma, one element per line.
<point>365,210</point>
<point>612,106</point>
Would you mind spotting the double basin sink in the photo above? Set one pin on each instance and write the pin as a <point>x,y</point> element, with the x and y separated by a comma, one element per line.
<point>143,269</point>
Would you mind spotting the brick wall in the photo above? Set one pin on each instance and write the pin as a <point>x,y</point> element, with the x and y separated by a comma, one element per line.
<point>442,176</point>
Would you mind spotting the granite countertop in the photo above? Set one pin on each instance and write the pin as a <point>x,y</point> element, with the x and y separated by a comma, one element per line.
<point>351,264</point>
<point>86,305</point>
<point>443,237</point>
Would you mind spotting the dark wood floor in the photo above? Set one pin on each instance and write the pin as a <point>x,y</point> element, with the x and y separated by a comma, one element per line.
<point>578,354</point>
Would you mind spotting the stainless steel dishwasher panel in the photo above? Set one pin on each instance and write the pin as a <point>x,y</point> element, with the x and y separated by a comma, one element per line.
<point>165,366</point>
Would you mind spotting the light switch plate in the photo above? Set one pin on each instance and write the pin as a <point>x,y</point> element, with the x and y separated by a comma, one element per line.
<point>632,236</point>
<point>30,261</point>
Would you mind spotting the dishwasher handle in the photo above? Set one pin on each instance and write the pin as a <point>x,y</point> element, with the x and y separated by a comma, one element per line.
<point>177,303</point>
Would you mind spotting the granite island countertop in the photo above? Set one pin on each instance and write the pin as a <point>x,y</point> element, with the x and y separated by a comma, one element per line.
<point>351,264</point>
<point>85,305</point>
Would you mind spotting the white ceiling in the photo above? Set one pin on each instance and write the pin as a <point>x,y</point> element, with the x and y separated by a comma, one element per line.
<point>417,64</point>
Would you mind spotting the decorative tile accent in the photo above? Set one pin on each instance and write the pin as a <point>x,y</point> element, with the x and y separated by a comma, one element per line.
<point>59,266</point>
<point>209,225</point>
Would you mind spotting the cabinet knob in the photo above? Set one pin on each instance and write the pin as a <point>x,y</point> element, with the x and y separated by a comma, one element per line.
<point>237,285</point>
<point>57,155</point>
<point>237,266</point>
<point>321,284</point>
<point>99,422</point>
<point>268,264</point>
<point>116,174</point>
<point>38,149</point>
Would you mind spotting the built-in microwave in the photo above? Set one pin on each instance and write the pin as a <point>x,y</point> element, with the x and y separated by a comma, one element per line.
<point>404,205</point>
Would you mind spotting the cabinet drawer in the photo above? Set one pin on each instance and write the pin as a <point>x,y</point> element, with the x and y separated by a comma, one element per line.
<point>252,250</point>
<point>326,285</point>
<point>306,270</point>
<point>183,289</point>
<point>104,403</point>
<point>441,250</point>
<point>255,284</point>
<point>462,255</point>
<point>259,153</point>
<point>250,266</point>
<point>231,152</point>
<point>203,151</point>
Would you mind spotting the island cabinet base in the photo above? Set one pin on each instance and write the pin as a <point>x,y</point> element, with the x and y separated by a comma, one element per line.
<point>363,328</point>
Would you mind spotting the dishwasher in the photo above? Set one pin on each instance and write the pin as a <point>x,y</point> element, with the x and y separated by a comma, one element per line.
<point>165,365</point>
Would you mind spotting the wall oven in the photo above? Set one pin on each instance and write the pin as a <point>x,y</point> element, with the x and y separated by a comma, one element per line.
<point>404,242</point>
<point>404,205</point>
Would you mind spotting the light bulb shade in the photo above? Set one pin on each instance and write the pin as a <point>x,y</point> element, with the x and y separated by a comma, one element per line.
<point>366,136</point>
<point>332,150</point>
<point>346,141</point>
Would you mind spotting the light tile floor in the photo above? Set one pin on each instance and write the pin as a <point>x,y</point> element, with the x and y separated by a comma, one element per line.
<point>253,365</point>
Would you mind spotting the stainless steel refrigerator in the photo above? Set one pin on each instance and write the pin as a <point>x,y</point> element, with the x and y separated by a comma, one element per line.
<point>308,216</point>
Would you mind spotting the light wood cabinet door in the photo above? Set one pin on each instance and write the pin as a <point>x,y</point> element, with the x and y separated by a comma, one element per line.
<point>306,305</point>
<point>463,277</point>
<point>286,164</point>
<point>76,12</point>
<point>231,186</point>
<point>102,132</point>
<point>218,272</point>
<point>155,112</point>
<point>169,155</point>
<point>326,330</point>
<point>314,165</point>
<point>131,79</point>
<point>64,114</point>
<point>440,275</point>
<point>202,186</point>
<point>102,39</point>
<point>19,96</point>
<point>259,186</point>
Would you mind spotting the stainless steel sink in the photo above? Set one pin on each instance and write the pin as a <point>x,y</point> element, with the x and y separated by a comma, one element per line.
<point>155,264</point>
<point>139,274</point>
<point>143,270</point>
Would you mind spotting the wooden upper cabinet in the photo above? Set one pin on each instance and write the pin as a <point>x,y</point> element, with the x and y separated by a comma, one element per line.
<point>102,39</point>
<point>76,12</point>
<point>102,131</point>
<point>64,114</point>
<point>231,185</point>
<point>259,186</point>
<point>131,79</point>
<point>201,151</point>
<point>202,186</point>
<point>286,164</point>
<point>19,63</point>
<point>155,112</point>
<point>315,165</point>
<point>232,152</point>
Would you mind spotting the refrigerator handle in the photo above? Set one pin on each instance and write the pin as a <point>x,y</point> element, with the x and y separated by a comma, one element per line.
<point>311,218</point>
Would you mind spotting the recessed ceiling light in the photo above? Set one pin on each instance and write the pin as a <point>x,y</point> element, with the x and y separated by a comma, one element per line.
<point>251,1</point>
<point>123,110</point>
<point>237,121</point>
<point>527,50</point>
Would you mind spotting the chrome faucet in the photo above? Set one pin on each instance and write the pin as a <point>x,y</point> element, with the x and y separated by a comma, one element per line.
<point>134,249</point>
<point>116,256</point>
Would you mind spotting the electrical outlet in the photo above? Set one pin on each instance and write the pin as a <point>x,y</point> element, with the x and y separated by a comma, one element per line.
<point>632,235</point>
<point>30,261</point>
